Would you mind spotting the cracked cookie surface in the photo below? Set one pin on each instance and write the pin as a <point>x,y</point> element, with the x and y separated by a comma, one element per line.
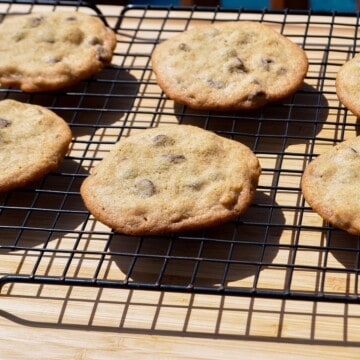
<point>33,142</point>
<point>230,65</point>
<point>50,51</point>
<point>331,185</point>
<point>169,179</point>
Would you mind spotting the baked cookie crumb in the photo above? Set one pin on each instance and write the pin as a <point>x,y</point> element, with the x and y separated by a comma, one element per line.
<point>51,51</point>
<point>33,142</point>
<point>331,185</point>
<point>170,179</point>
<point>348,85</point>
<point>228,66</point>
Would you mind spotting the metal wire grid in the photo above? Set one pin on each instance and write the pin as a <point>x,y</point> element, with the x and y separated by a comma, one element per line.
<point>279,248</point>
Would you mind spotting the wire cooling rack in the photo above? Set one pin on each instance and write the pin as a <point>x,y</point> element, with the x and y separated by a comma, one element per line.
<point>279,248</point>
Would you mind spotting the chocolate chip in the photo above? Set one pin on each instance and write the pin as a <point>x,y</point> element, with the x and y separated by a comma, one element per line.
<point>184,47</point>
<point>230,53</point>
<point>281,71</point>
<point>4,123</point>
<point>144,187</point>
<point>256,96</point>
<point>162,140</point>
<point>71,18</point>
<point>19,36</point>
<point>36,21</point>
<point>75,36</point>
<point>94,40</point>
<point>49,40</point>
<point>217,84</point>
<point>174,158</point>
<point>101,53</point>
<point>265,63</point>
<point>236,65</point>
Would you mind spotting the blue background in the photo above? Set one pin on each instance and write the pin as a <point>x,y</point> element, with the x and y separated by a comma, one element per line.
<point>340,5</point>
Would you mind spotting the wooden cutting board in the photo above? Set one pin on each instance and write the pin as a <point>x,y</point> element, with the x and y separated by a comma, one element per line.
<point>51,322</point>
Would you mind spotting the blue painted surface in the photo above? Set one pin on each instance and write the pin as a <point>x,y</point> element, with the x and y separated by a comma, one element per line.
<point>248,4</point>
<point>340,5</point>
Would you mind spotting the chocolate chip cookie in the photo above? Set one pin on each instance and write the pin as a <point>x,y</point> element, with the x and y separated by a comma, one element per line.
<point>331,185</point>
<point>169,179</point>
<point>50,51</point>
<point>348,85</point>
<point>229,65</point>
<point>33,141</point>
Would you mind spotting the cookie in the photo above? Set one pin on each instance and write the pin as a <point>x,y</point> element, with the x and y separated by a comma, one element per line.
<point>229,66</point>
<point>170,179</point>
<point>33,141</point>
<point>331,185</point>
<point>348,85</point>
<point>50,51</point>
